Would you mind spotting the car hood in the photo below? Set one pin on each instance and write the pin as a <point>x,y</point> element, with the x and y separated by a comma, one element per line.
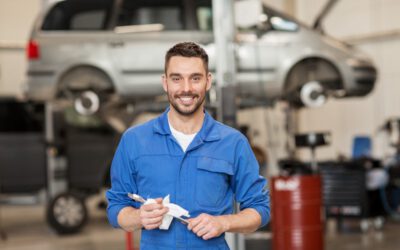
<point>347,49</point>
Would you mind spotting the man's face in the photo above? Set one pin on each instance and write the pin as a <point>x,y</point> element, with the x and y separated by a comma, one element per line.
<point>186,83</point>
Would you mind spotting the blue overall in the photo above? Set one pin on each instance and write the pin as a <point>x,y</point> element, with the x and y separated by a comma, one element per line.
<point>217,168</point>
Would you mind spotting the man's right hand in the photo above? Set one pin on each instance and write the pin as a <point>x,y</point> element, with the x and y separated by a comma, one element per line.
<point>151,215</point>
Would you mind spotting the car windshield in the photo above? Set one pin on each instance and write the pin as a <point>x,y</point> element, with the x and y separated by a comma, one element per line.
<point>280,21</point>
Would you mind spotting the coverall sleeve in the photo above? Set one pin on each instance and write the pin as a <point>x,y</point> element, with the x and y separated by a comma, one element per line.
<point>250,188</point>
<point>122,182</point>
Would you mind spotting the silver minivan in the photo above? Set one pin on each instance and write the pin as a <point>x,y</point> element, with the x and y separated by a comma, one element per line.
<point>99,48</point>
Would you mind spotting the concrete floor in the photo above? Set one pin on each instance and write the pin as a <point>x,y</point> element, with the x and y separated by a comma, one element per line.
<point>26,229</point>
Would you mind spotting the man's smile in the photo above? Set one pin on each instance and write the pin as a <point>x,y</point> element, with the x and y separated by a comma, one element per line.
<point>186,100</point>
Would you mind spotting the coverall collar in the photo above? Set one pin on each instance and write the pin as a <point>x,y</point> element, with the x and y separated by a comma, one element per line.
<point>208,131</point>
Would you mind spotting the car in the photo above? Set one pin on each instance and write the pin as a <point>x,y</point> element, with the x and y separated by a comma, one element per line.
<point>91,50</point>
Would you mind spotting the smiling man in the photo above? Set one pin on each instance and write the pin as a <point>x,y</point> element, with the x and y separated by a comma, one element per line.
<point>202,164</point>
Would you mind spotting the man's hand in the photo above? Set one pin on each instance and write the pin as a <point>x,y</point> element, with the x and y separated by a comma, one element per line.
<point>151,215</point>
<point>207,226</point>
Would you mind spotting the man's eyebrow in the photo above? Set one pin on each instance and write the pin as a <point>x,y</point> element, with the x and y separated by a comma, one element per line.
<point>174,74</point>
<point>191,75</point>
<point>196,74</point>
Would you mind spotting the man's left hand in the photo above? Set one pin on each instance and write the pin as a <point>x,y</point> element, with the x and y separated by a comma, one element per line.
<point>207,226</point>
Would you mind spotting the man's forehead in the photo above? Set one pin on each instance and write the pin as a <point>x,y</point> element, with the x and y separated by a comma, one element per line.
<point>187,59</point>
<point>192,74</point>
<point>185,65</point>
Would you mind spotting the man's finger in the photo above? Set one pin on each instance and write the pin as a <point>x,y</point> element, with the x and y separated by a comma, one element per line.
<point>151,207</point>
<point>153,220</point>
<point>159,200</point>
<point>152,226</point>
<point>195,221</point>
<point>158,212</point>
<point>209,235</point>
<point>199,226</point>
<point>154,213</point>
<point>202,231</point>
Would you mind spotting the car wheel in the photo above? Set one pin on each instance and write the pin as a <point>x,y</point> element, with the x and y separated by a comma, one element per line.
<point>312,94</point>
<point>87,88</point>
<point>67,213</point>
<point>305,76</point>
<point>87,102</point>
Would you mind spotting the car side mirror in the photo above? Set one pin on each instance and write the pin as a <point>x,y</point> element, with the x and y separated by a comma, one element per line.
<point>248,13</point>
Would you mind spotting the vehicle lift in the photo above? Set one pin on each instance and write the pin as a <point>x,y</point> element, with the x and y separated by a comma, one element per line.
<point>56,171</point>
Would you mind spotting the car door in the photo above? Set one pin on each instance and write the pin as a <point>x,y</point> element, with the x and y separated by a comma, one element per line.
<point>278,48</point>
<point>70,34</point>
<point>261,55</point>
<point>145,30</point>
<point>257,63</point>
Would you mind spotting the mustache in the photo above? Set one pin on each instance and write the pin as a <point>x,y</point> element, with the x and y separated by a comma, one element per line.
<point>186,94</point>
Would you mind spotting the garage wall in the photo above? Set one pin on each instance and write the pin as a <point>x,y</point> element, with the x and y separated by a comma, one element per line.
<point>16,19</point>
<point>350,117</point>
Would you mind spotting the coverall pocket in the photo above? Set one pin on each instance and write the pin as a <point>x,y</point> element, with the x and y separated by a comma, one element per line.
<point>212,181</point>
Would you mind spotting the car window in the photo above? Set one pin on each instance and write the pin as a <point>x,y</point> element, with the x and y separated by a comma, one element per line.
<point>90,20</point>
<point>272,20</point>
<point>78,15</point>
<point>282,24</point>
<point>204,15</point>
<point>169,14</point>
<point>154,15</point>
<point>277,21</point>
<point>204,18</point>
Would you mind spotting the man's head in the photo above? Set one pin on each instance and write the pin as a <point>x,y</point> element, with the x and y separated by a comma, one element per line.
<point>186,79</point>
<point>186,49</point>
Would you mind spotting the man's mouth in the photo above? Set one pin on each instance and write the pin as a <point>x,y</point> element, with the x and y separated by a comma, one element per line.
<point>186,100</point>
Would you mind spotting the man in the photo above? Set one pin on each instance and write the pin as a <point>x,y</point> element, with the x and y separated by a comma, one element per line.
<point>202,164</point>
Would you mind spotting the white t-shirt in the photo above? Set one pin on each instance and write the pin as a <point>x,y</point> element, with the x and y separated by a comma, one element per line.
<point>184,140</point>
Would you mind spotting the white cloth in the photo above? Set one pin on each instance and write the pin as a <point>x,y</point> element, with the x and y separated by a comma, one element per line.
<point>174,211</point>
<point>184,140</point>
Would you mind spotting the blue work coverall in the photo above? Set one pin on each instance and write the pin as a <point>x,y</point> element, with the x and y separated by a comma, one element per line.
<point>217,168</point>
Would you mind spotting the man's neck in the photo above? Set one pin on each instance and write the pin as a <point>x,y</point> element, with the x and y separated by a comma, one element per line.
<point>186,124</point>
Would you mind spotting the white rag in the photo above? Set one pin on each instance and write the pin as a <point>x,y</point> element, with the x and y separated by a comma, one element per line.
<point>174,211</point>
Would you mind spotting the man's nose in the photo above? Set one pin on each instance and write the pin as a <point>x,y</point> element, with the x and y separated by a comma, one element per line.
<point>187,85</point>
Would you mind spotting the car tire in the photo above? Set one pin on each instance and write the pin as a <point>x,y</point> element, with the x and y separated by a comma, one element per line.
<point>310,70</point>
<point>87,88</point>
<point>67,213</point>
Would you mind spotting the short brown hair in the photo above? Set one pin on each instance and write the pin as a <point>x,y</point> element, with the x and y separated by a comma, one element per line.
<point>186,49</point>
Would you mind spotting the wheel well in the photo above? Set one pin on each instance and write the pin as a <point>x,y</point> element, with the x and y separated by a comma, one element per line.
<point>311,69</point>
<point>95,74</point>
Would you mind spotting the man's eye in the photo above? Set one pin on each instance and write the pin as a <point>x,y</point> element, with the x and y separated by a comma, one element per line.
<point>175,79</point>
<point>196,78</point>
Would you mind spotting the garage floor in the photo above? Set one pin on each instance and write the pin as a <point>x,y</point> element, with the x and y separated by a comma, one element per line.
<point>26,229</point>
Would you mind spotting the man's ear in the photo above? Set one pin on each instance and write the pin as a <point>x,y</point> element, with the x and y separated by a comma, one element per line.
<point>209,81</point>
<point>164,82</point>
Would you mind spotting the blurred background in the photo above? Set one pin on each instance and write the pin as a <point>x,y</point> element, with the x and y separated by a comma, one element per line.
<point>312,84</point>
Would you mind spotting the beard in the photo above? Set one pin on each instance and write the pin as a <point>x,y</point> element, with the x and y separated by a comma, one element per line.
<point>186,110</point>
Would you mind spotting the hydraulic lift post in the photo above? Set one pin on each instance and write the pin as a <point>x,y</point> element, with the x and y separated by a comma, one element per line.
<point>224,35</point>
<point>56,164</point>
